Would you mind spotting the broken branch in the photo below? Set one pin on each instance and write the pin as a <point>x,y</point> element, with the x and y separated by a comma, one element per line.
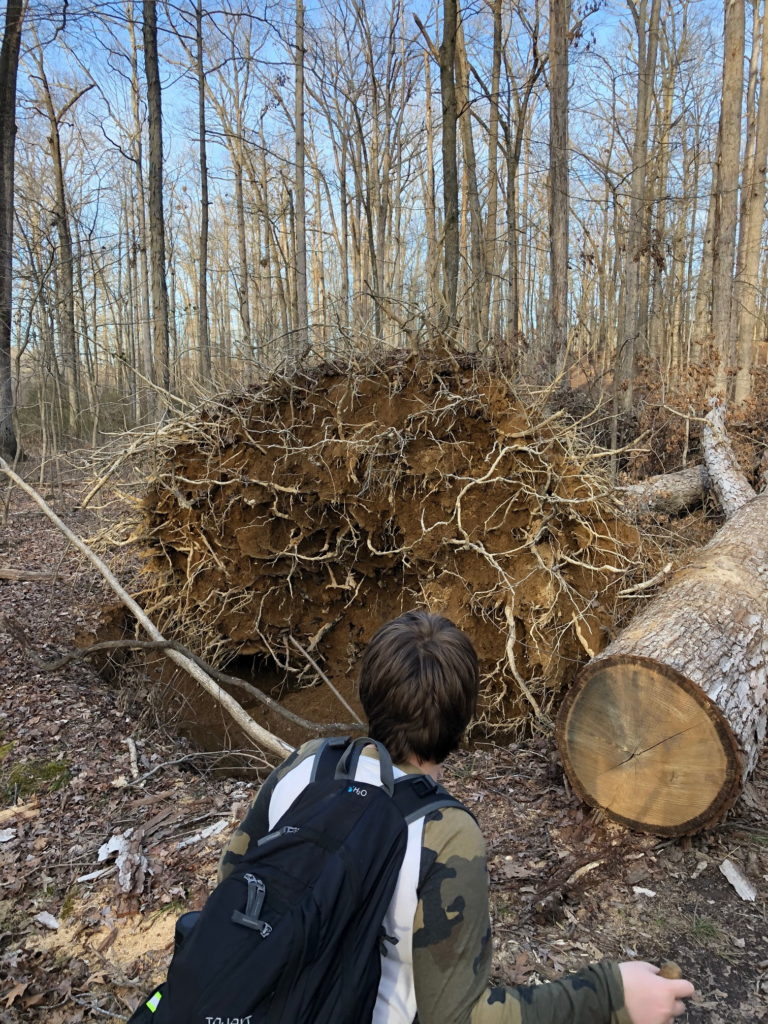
<point>252,729</point>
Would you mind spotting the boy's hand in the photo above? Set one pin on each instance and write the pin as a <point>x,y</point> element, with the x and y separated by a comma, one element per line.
<point>649,998</point>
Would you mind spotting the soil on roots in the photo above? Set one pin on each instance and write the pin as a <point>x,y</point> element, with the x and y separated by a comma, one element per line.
<point>316,507</point>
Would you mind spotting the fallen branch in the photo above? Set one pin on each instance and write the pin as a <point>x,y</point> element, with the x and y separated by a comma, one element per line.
<point>17,631</point>
<point>325,679</point>
<point>258,734</point>
<point>19,812</point>
<point>668,493</point>
<point>731,486</point>
<point>25,575</point>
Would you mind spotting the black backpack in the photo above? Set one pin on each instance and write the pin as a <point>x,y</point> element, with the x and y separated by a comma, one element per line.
<point>294,934</point>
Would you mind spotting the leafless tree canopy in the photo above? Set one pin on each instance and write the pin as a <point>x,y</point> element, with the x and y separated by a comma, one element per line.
<point>202,194</point>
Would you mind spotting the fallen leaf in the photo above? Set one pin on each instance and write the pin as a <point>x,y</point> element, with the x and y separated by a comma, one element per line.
<point>14,993</point>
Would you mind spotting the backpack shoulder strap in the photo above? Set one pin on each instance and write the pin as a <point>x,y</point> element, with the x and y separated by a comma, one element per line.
<point>347,765</point>
<point>418,795</point>
<point>327,757</point>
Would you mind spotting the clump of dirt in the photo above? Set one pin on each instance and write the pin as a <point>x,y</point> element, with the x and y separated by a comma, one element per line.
<point>315,507</point>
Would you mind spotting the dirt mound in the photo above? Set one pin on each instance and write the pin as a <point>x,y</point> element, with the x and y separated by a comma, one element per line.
<point>318,506</point>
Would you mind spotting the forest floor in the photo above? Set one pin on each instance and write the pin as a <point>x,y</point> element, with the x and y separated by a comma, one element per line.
<point>82,762</point>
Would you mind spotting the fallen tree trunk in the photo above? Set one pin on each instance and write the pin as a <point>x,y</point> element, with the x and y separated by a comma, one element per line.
<point>668,493</point>
<point>662,728</point>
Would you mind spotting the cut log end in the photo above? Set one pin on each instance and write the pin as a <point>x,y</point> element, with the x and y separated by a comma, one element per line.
<point>643,743</point>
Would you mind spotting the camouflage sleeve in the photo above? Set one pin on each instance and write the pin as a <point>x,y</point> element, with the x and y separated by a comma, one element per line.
<point>452,946</point>
<point>256,822</point>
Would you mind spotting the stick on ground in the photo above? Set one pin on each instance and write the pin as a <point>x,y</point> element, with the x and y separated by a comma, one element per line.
<point>252,729</point>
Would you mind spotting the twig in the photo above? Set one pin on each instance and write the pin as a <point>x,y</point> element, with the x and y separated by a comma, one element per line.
<point>258,734</point>
<point>631,591</point>
<point>97,1009</point>
<point>110,472</point>
<point>325,679</point>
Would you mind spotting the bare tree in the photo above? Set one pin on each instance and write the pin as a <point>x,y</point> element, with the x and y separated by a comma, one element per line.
<point>752,218</point>
<point>65,277</point>
<point>559,18</point>
<point>450,164</point>
<point>161,364</point>
<point>203,338</point>
<point>9,65</point>
<point>726,194</point>
<point>302,313</point>
<point>634,302</point>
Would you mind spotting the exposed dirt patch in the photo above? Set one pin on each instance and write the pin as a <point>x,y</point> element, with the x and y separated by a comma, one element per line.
<point>564,886</point>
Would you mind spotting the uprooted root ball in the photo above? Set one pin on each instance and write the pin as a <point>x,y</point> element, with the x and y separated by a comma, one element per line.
<point>320,505</point>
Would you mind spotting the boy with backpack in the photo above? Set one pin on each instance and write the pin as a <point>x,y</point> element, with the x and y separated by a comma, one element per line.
<point>388,930</point>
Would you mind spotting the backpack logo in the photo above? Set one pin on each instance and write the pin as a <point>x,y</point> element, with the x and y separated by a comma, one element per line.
<point>357,790</point>
<point>229,1020</point>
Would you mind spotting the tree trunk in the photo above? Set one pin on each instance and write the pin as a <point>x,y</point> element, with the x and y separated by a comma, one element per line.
<point>476,334</point>
<point>492,200</point>
<point>634,304</point>
<point>450,165</point>
<point>302,315</point>
<point>9,64</point>
<point>65,271</point>
<point>752,218</point>
<point>559,17</point>
<point>661,729</point>
<point>161,367</point>
<point>203,339</point>
<point>727,195</point>
<point>138,214</point>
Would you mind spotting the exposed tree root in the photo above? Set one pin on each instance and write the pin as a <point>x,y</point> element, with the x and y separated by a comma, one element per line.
<point>315,507</point>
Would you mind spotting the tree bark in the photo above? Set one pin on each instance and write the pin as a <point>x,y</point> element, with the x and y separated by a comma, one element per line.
<point>450,165</point>
<point>161,365</point>
<point>662,728</point>
<point>634,295</point>
<point>668,493</point>
<point>726,197</point>
<point>752,219</point>
<point>9,64</point>
<point>203,339</point>
<point>300,337</point>
<point>559,17</point>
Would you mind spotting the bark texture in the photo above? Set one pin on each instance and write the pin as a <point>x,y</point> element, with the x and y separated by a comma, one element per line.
<point>668,493</point>
<point>161,366</point>
<point>9,64</point>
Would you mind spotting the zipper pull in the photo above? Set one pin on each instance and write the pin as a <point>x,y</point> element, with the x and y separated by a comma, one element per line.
<point>257,892</point>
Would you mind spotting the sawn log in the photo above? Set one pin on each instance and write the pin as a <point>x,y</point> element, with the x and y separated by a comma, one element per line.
<point>662,728</point>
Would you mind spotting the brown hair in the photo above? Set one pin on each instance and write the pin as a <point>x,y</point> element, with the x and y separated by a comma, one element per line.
<point>418,686</point>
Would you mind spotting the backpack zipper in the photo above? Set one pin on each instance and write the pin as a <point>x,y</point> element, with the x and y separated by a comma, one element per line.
<point>286,830</point>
